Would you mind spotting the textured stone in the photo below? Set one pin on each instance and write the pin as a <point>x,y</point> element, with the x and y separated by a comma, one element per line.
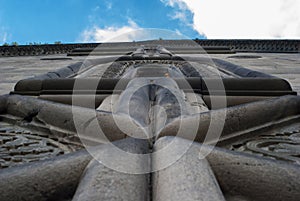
<point>3,100</point>
<point>242,176</point>
<point>102,183</point>
<point>236,119</point>
<point>254,177</point>
<point>189,178</point>
<point>14,69</point>
<point>53,179</point>
<point>239,176</point>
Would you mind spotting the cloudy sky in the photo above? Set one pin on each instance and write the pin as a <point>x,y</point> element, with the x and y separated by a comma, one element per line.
<point>68,21</point>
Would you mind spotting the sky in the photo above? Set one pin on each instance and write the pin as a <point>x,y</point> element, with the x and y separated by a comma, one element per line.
<point>70,21</point>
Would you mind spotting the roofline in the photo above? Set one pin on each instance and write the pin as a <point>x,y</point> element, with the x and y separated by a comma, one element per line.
<point>240,45</point>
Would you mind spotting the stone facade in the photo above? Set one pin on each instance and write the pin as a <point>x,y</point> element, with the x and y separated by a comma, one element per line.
<point>154,120</point>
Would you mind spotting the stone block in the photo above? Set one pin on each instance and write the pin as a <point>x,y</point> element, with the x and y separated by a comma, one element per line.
<point>102,183</point>
<point>189,178</point>
<point>53,179</point>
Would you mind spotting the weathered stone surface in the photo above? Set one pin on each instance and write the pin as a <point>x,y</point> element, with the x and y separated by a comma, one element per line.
<point>65,72</point>
<point>109,103</point>
<point>243,176</point>
<point>279,142</point>
<point>196,103</point>
<point>237,119</point>
<point>101,183</point>
<point>19,146</point>
<point>88,101</point>
<point>189,178</point>
<point>3,100</point>
<point>255,177</point>
<point>54,179</point>
<point>72,119</point>
<point>51,75</point>
<point>43,111</point>
<point>135,101</point>
<point>14,69</point>
<point>282,65</point>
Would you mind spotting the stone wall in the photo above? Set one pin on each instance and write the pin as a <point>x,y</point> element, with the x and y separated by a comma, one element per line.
<point>275,46</point>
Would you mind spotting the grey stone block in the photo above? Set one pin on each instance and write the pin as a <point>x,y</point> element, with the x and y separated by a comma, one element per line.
<point>109,104</point>
<point>53,75</point>
<point>76,67</point>
<point>237,118</point>
<point>65,72</point>
<point>101,183</point>
<point>189,178</point>
<point>33,84</point>
<point>254,178</point>
<point>40,77</point>
<point>241,176</point>
<point>3,100</point>
<point>71,119</point>
<point>44,111</point>
<point>134,102</point>
<point>53,179</point>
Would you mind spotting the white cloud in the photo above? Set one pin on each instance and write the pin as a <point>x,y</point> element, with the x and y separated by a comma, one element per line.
<point>110,34</point>
<point>108,5</point>
<point>127,33</point>
<point>179,33</point>
<point>3,35</point>
<point>181,4</point>
<point>244,18</point>
<point>179,15</point>
<point>181,10</point>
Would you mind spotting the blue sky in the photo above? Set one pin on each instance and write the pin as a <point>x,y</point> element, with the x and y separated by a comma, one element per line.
<point>69,21</point>
<point>47,21</point>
